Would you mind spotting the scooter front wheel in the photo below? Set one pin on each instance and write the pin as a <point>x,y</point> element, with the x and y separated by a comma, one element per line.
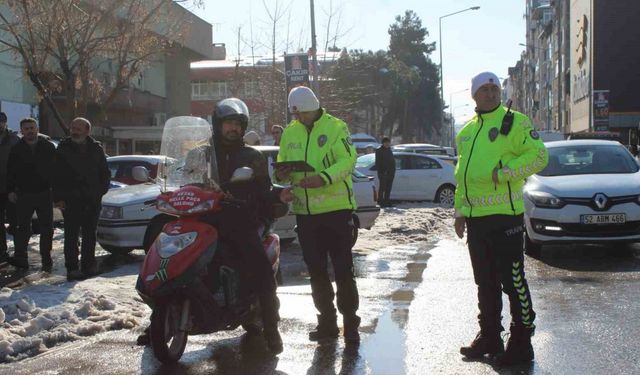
<point>168,335</point>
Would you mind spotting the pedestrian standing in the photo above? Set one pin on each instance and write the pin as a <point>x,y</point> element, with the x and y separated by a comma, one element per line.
<point>82,178</point>
<point>8,138</point>
<point>386,167</point>
<point>497,150</point>
<point>323,203</point>
<point>276,133</point>
<point>31,162</point>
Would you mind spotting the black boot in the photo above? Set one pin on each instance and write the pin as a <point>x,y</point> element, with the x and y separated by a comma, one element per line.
<point>21,263</point>
<point>351,334</point>
<point>273,339</point>
<point>144,339</point>
<point>484,343</point>
<point>327,328</point>
<point>519,349</point>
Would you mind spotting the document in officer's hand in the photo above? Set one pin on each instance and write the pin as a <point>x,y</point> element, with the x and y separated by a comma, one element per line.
<point>294,166</point>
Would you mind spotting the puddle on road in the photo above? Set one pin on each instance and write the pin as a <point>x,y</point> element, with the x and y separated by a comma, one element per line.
<point>386,348</point>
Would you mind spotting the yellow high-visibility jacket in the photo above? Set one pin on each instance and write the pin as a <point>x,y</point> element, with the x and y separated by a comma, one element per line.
<point>329,150</point>
<point>517,155</point>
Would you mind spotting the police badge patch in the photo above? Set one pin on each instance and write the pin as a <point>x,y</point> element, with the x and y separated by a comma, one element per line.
<point>322,140</point>
<point>493,134</point>
<point>534,134</point>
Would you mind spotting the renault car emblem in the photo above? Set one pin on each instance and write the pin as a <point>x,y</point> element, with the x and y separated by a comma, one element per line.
<point>600,200</point>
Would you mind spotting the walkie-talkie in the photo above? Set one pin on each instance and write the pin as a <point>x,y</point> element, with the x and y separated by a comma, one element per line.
<point>507,120</point>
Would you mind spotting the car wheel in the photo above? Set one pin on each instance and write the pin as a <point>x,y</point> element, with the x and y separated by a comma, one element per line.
<point>531,248</point>
<point>153,230</point>
<point>446,195</point>
<point>115,250</point>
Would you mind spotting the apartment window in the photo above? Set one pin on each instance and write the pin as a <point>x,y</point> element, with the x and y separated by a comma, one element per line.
<point>208,90</point>
<point>251,89</point>
<point>217,89</point>
<point>199,90</point>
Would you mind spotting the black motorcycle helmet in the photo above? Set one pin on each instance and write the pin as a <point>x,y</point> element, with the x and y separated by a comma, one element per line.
<point>230,109</point>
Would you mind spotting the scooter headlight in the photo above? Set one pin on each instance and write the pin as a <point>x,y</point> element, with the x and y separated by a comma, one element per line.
<point>202,207</point>
<point>169,245</point>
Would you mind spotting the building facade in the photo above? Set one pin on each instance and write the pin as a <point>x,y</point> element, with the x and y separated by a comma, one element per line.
<point>577,73</point>
<point>133,122</point>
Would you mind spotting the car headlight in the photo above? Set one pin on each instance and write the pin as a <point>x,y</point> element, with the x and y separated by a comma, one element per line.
<point>170,245</point>
<point>544,199</point>
<point>111,212</point>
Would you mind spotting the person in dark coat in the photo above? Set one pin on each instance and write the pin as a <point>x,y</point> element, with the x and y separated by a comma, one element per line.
<point>8,138</point>
<point>29,176</point>
<point>386,167</point>
<point>82,178</point>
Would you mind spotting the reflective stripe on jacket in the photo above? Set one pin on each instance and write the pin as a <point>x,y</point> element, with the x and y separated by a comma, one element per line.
<point>517,155</point>
<point>329,150</point>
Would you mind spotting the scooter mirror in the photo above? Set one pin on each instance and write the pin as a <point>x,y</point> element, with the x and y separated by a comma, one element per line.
<point>242,174</point>
<point>140,174</point>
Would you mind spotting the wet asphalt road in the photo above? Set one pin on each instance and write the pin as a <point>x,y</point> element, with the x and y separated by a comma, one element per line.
<point>418,307</point>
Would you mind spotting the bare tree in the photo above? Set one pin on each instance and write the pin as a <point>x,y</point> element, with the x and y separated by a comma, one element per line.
<point>88,51</point>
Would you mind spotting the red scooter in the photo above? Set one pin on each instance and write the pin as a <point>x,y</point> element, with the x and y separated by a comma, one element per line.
<point>190,279</point>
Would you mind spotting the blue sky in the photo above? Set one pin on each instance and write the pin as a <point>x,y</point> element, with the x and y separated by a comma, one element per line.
<point>473,41</point>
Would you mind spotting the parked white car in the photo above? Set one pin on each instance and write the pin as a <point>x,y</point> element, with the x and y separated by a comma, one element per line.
<point>418,177</point>
<point>424,148</point>
<point>589,193</point>
<point>129,216</point>
<point>362,140</point>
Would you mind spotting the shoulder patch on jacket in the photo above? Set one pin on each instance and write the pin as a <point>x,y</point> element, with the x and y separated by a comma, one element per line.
<point>534,134</point>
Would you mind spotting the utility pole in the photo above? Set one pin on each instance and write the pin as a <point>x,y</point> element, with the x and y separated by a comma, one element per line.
<point>314,59</point>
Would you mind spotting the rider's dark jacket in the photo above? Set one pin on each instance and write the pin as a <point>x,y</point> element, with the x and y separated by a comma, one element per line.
<point>259,193</point>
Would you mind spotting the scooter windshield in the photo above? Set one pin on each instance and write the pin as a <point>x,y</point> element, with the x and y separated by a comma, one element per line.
<point>188,140</point>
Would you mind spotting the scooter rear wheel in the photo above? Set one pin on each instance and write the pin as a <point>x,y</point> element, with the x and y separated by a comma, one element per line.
<point>167,340</point>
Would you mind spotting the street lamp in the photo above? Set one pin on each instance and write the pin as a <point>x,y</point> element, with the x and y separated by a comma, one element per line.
<point>453,121</point>
<point>440,48</point>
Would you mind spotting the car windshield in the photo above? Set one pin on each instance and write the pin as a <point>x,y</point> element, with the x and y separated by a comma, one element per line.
<point>365,161</point>
<point>589,159</point>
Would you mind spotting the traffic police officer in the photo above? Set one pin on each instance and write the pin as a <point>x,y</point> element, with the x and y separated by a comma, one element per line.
<point>497,150</point>
<point>323,203</point>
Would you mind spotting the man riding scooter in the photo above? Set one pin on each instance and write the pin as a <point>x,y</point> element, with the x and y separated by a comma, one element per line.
<point>239,227</point>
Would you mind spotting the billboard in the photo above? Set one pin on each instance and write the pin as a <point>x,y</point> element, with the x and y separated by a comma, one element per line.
<point>600,110</point>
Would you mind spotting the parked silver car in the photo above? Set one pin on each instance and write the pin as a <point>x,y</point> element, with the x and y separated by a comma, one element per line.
<point>588,193</point>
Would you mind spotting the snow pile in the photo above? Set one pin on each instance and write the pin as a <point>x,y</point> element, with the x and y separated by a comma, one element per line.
<point>37,318</point>
<point>407,223</point>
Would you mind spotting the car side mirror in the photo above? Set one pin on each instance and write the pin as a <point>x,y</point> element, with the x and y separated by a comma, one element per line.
<point>241,175</point>
<point>140,173</point>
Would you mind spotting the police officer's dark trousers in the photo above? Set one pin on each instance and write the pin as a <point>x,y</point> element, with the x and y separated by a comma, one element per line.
<point>329,234</point>
<point>495,245</point>
<point>80,217</point>
<point>42,204</point>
